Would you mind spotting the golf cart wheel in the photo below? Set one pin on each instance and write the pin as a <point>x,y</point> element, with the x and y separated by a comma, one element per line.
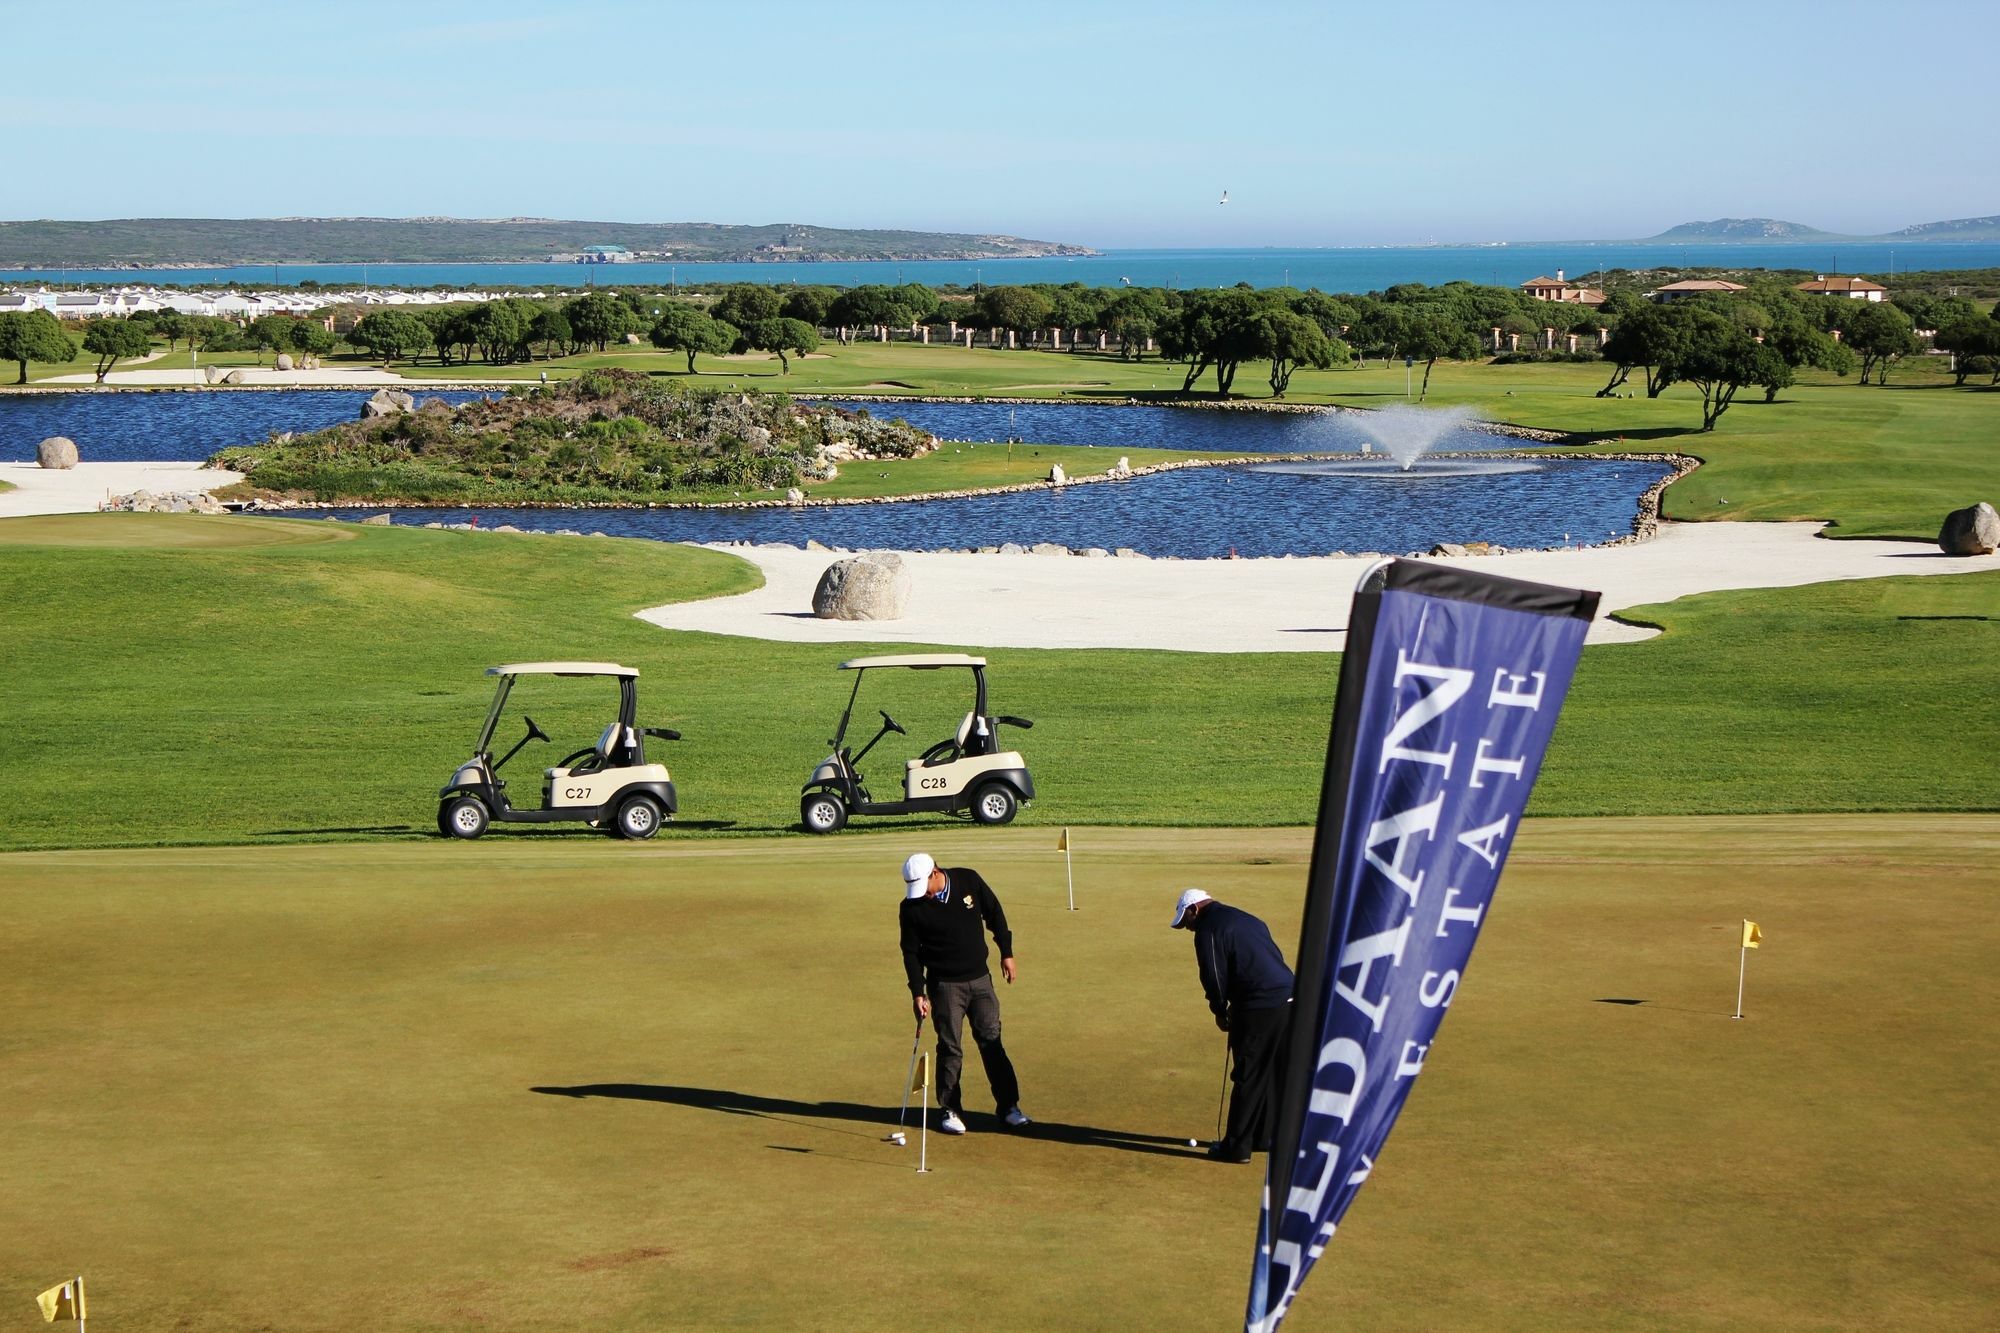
<point>994,803</point>
<point>465,817</point>
<point>823,812</point>
<point>638,818</point>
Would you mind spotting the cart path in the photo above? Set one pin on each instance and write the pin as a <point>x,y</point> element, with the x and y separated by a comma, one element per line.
<point>1267,605</point>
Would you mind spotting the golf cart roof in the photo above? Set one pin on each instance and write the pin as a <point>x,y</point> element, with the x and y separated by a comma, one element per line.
<point>915,660</point>
<point>562,669</point>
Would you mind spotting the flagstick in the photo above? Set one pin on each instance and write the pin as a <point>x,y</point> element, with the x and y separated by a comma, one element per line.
<point>1742,957</point>
<point>924,1134</point>
<point>1069,869</point>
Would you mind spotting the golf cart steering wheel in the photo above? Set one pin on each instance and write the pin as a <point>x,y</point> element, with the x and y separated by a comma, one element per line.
<point>535,733</point>
<point>592,761</point>
<point>889,723</point>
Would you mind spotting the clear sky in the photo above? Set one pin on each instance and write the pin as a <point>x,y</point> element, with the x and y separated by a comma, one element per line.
<point>1105,124</point>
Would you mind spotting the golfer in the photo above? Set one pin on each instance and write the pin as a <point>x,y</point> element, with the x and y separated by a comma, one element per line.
<point>1249,991</point>
<point>945,915</point>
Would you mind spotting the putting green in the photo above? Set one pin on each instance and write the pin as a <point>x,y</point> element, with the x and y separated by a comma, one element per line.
<point>167,531</point>
<point>544,1079</point>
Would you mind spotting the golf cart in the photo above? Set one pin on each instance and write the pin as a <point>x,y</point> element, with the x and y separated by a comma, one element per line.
<point>967,772</point>
<point>609,781</point>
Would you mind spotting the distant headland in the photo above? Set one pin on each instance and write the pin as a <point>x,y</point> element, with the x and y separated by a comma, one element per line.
<point>204,242</point>
<point>1737,230</point>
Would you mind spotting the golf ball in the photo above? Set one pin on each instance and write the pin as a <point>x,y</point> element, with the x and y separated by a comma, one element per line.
<point>898,1137</point>
<point>1193,1144</point>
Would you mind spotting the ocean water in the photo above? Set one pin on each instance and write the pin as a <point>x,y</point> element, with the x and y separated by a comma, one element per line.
<point>1330,270</point>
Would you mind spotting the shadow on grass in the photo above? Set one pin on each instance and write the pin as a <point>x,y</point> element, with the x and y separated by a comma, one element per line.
<point>789,1111</point>
<point>346,828</point>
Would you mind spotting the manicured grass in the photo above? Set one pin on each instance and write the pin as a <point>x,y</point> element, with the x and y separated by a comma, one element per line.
<point>536,1082</point>
<point>169,691</point>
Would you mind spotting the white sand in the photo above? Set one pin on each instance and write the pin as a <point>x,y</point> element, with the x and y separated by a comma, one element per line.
<point>79,490</point>
<point>1240,606</point>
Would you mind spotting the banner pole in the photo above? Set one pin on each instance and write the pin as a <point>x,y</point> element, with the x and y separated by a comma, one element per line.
<point>1742,957</point>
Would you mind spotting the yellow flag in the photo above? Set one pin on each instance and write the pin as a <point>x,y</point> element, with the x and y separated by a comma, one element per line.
<point>63,1301</point>
<point>1752,937</point>
<point>921,1080</point>
<point>1062,843</point>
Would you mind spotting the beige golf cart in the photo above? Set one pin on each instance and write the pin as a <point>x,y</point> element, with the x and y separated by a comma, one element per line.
<point>608,783</point>
<point>966,773</point>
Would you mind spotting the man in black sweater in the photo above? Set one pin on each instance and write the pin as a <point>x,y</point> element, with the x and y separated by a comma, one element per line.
<point>944,917</point>
<point>1249,991</point>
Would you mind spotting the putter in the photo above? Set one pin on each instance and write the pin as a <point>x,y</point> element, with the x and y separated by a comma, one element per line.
<point>1222,1095</point>
<point>908,1074</point>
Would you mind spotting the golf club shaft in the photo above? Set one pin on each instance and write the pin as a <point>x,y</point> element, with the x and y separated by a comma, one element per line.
<point>910,1074</point>
<point>1222,1095</point>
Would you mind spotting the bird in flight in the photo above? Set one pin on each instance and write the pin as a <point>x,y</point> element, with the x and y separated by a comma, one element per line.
<point>1225,198</point>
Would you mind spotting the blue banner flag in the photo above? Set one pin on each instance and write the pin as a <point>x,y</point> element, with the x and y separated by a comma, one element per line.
<point>1449,689</point>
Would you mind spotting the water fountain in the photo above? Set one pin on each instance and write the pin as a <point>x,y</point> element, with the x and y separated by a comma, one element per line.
<point>1405,434</point>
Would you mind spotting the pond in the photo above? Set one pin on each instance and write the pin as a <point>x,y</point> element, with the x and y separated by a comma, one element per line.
<point>1253,510</point>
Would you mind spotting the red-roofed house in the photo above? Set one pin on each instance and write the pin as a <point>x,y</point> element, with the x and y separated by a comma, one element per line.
<point>1854,289</point>
<point>1556,289</point>
<point>1686,287</point>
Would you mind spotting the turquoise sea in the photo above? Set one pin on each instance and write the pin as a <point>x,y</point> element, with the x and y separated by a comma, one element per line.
<point>1346,270</point>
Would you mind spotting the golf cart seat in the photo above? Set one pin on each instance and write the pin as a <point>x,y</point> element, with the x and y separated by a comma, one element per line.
<point>975,736</point>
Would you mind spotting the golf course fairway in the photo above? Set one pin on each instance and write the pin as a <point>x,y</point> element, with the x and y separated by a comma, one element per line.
<point>547,1079</point>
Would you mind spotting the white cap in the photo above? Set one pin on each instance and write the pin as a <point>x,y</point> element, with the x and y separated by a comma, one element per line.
<point>1189,897</point>
<point>917,874</point>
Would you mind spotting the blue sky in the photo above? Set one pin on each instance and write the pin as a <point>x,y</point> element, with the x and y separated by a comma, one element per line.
<point>1112,125</point>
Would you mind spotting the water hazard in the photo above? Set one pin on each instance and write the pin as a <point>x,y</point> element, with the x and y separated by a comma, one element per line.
<point>1364,503</point>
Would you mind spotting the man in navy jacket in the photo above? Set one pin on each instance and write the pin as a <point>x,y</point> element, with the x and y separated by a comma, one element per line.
<point>1249,991</point>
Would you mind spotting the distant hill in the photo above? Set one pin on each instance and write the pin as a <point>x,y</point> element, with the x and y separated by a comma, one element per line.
<point>1774,229</point>
<point>201,242</point>
<point>1960,229</point>
<point>1742,229</point>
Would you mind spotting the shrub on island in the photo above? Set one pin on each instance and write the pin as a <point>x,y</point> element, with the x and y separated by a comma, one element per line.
<point>606,437</point>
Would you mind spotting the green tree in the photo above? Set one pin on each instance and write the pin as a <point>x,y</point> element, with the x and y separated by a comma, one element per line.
<point>390,334</point>
<point>1291,340</point>
<point>1132,317</point>
<point>1430,333</point>
<point>113,340</point>
<point>1719,358</point>
<point>1221,328</point>
<point>599,318</point>
<point>172,325</point>
<point>808,304</point>
<point>1648,337</point>
<point>867,307</point>
<point>1879,333</point>
<point>313,338</point>
<point>745,303</point>
<point>786,337</point>
<point>1973,343</point>
<point>684,328</point>
<point>271,333</point>
<point>551,329</point>
<point>34,335</point>
<point>501,329</point>
<point>1021,309</point>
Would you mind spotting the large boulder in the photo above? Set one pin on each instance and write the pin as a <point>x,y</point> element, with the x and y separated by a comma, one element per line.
<point>1974,531</point>
<point>284,361</point>
<point>873,586</point>
<point>387,403</point>
<point>232,377</point>
<point>58,451</point>
<point>212,374</point>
